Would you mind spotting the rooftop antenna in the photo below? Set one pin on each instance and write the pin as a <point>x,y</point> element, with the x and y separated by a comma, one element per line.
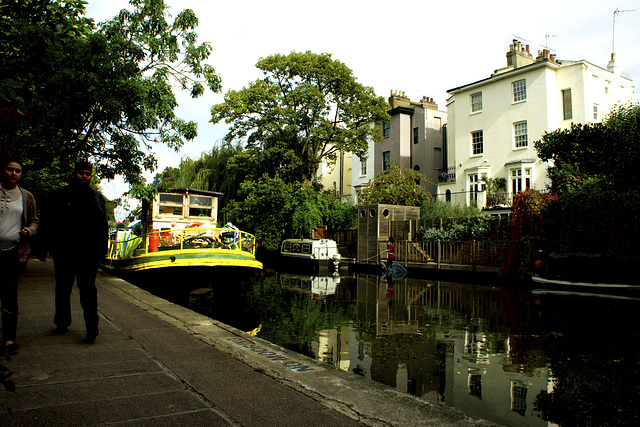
<point>520,39</point>
<point>546,40</point>
<point>613,38</point>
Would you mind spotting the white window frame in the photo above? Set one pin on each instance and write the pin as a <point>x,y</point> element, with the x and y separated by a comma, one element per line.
<point>473,187</point>
<point>521,178</point>
<point>476,102</point>
<point>477,143</point>
<point>519,89</point>
<point>520,135</point>
<point>595,112</point>
<point>363,167</point>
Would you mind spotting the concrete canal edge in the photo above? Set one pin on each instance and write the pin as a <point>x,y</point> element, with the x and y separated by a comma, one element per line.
<point>364,400</point>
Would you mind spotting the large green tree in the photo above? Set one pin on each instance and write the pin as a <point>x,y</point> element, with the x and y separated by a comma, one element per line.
<point>71,89</point>
<point>395,186</point>
<point>306,109</point>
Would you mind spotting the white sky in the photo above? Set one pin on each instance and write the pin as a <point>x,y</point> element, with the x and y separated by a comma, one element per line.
<point>420,47</point>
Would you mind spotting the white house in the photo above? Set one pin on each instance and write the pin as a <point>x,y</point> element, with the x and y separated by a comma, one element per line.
<point>492,123</point>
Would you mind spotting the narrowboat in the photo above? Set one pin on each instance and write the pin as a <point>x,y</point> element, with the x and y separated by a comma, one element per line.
<point>311,255</point>
<point>180,230</point>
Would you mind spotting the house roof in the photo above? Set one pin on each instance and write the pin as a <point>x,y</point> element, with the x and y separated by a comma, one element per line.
<point>506,74</point>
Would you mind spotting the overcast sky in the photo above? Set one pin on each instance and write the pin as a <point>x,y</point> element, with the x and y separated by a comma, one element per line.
<point>420,47</point>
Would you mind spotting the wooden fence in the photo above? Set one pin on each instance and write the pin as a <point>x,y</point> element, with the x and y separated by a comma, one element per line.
<point>471,253</point>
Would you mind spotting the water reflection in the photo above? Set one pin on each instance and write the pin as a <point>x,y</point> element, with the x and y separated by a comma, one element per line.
<point>500,353</point>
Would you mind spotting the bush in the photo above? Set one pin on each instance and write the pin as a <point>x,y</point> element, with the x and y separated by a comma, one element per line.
<point>469,229</point>
<point>435,209</point>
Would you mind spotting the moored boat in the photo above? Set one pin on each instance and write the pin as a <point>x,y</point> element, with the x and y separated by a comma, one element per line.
<point>179,231</point>
<point>311,255</point>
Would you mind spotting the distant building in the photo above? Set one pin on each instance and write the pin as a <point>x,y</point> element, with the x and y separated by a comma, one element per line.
<point>492,123</point>
<point>337,176</point>
<point>414,136</point>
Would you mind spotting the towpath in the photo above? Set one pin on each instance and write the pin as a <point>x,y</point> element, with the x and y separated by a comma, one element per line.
<point>157,363</point>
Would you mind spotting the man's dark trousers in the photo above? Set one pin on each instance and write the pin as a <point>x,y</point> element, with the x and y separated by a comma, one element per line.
<point>67,269</point>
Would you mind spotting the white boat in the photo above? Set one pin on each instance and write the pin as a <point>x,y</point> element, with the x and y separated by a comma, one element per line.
<point>311,255</point>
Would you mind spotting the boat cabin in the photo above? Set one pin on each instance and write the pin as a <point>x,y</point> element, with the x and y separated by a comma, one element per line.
<point>180,208</point>
<point>311,254</point>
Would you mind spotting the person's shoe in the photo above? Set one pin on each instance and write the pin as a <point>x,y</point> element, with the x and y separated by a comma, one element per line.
<point>11,347</point>
<point>60,330</point>
<point>91,337</point>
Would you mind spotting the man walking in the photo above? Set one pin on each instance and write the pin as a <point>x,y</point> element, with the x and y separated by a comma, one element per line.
<point>77,229</point>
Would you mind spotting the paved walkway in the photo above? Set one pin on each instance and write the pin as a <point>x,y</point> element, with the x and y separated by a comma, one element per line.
<point>156,363</point>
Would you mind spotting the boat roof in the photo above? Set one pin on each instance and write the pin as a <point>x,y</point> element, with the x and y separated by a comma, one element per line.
<point>194,191</point>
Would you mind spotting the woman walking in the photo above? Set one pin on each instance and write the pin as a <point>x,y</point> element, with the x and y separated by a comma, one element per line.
<point>18,222</point>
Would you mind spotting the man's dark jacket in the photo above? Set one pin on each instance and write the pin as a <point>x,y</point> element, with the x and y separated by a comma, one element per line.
<point>76,222</point>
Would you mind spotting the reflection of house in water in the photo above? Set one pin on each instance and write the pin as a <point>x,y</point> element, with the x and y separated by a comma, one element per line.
<point>317,285</point>
<point>484,382</point>
<point>340,347</point>
<point>416,340</point>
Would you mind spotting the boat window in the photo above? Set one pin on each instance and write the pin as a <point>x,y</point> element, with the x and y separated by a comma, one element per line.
<point>201,206</point>
<point>199,212</point>
<point>170,204</point>
<point>286,247</point>
<point>171,198</point>
<point>306,248</point>
<point>203,201</point>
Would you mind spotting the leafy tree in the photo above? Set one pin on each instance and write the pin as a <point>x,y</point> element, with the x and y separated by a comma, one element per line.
<point>593,153</point>
<point>168,178</point>
<point>212,172</point>
<point>305,110</point>
<point>274,210</point>
<point>263,209</point>
<point>69,89</point>
<point>395,186</point>
<point>341,215</point>
<point>595,169</point>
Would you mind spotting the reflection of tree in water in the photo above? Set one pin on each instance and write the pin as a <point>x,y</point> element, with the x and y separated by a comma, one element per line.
<point>293,319</point>
<point>594,360</point>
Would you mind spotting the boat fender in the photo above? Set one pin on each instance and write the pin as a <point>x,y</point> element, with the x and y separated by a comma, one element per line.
<point>172,258</point>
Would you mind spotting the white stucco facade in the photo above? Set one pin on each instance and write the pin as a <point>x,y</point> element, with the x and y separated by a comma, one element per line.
<point>493,123</point>
<point>362,171</point>
<point>336,176</point>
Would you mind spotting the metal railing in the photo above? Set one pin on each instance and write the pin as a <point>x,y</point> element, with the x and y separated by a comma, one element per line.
<point>125,244</point>
<point>499,199</point>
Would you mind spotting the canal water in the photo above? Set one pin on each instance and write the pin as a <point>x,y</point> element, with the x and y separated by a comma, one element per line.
<point>514,356</point>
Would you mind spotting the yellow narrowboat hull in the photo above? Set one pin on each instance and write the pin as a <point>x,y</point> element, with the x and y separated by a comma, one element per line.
<point>184,258</point>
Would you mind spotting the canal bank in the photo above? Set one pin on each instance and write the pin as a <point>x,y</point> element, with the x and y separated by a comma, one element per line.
<point>157,363</point>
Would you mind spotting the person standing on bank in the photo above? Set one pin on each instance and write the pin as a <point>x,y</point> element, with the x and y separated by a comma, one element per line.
<point>77,232</point>
<point>391,251</point>
<point>18,222</point>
